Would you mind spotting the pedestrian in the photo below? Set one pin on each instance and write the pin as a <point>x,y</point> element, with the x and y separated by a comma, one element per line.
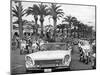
<point>35,46</point>
<point>23,45</point>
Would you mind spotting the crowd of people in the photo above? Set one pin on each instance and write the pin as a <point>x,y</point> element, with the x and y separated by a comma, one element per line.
<point>31,45</point>
<point>88,52</point>
<point>35,43</point>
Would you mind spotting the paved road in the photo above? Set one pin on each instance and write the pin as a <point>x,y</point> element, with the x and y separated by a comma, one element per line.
<point>18,66</point>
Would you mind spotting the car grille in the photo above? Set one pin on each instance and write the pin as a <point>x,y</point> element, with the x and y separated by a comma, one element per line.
<point>48,63</point>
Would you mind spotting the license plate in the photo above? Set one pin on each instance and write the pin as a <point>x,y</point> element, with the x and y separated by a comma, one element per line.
<point>47,70</point>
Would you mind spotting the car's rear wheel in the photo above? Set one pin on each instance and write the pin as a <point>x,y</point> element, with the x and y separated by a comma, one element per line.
<point>69,69</point>
<point>28,71</point>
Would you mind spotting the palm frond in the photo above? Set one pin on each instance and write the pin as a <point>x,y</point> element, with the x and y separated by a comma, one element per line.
<point>59,10</point>
<point>15,11</point>
<point>34,10</point>
<point>43,9</point>
<point>57,7</point>
<point>16,22</point>
<point>56,11</point>
<point>28,12</point>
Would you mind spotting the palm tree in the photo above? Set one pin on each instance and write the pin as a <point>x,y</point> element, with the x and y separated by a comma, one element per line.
<point>88,31</point>
<point>79,30</point>
<point>70,21</point>
<point>43,11</point>
<point>19,12</point>
<point>82,29</point>
<point>76,24</point>
<point>34,10</point>
<point>62,26</point>
<point>55,13</point>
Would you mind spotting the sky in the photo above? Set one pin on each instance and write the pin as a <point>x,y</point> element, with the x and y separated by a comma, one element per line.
<point>85,14</point>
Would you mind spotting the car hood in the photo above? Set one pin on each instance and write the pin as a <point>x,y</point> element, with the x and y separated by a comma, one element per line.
<point>47,55</point>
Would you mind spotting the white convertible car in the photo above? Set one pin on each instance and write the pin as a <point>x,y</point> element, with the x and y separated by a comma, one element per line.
<point>58,56</point>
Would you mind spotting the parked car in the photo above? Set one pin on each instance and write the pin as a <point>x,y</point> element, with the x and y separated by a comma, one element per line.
<point>49,60</point>
<point>85,49</point>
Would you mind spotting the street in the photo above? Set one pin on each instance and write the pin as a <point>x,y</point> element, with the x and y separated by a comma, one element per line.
<point>18,65</point>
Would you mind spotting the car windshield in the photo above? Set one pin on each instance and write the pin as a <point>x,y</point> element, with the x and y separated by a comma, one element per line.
<point>55,46</point>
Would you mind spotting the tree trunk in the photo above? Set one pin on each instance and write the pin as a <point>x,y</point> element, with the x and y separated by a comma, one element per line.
<point>62,30</point>
<point>75,32</point>
<point>69,31</point>
<point>78,33</point>
<point>20,22</point>
<point>36,18</point>
<point>55,28</point>
<point>41,20</point>
<point>41,27</point>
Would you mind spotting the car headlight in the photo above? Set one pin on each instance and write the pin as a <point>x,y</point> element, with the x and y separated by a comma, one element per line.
<point>65,60</point>
<point>29,62</point>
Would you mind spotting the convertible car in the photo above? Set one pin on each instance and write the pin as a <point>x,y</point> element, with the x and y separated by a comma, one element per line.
<point>57,56</point>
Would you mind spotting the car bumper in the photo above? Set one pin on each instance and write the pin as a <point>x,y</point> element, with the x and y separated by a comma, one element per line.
<point>49,69</point>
